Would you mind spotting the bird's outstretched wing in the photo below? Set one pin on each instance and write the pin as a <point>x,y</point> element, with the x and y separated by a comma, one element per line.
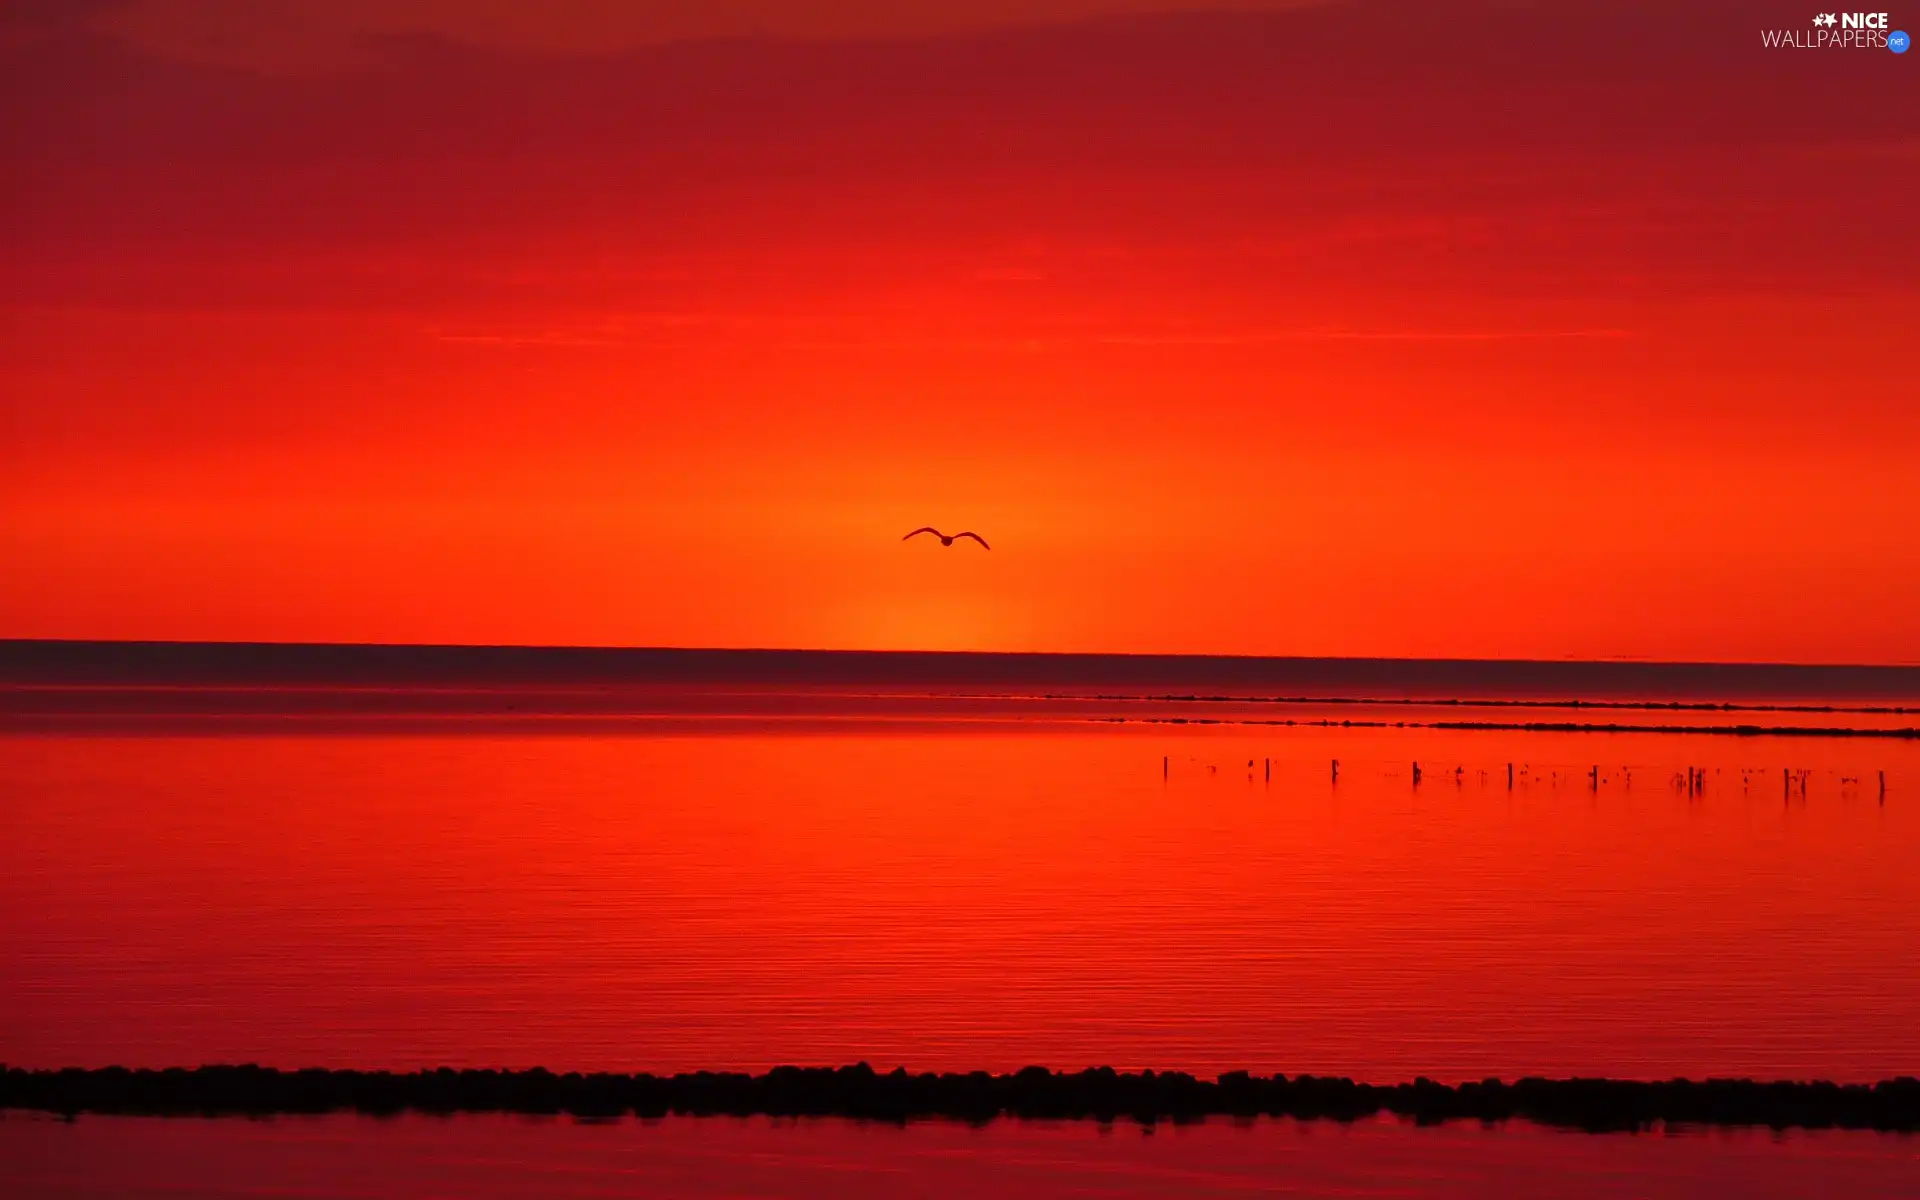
<point>976,537</point>
<point>924,529</point>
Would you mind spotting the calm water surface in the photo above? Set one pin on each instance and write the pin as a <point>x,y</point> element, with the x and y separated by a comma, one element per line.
<point>909,888</point>
<point>511,1159</point>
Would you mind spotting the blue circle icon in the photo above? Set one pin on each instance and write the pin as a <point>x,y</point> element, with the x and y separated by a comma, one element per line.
<point>1898,41</point>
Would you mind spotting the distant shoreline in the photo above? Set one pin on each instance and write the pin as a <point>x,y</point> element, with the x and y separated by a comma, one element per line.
<point>1270,679</point>
<point>859,1092</point>
<point>1795,731</point>
<point>1494,702</point>
<point>78,708</point>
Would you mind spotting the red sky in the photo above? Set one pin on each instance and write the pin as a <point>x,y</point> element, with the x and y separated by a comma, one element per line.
<point>1450,328</point>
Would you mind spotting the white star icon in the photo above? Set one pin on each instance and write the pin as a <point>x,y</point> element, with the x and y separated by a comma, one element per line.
<point>1827,19</point>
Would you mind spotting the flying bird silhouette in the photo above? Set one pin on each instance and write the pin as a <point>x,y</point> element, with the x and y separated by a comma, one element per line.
<point>946,540</point>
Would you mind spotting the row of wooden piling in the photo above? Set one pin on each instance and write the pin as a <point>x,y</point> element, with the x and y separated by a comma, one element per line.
<point>1695,782</point>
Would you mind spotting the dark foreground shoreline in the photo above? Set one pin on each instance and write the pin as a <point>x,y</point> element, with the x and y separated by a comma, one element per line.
<point>1035,1093</point>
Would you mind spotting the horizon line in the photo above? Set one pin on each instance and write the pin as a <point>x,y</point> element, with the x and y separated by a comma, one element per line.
<point>562,647</point>
<point>1103,1094</point>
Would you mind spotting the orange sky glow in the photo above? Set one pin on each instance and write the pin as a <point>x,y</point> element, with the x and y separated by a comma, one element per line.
<point>1367,328</point>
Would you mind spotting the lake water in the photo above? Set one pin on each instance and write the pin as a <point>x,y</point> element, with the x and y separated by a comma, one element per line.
<point>953,875</point>
<point>505,1158</point>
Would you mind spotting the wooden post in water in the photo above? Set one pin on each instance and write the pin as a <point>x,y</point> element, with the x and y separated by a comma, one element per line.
<point>1509,776</point>
<point>1594,775</point>
<point>1163,767</point>
<point>1883,787</point>
<point>1416,774</point>
<point>1268,764</point>
<point>1336,770</point>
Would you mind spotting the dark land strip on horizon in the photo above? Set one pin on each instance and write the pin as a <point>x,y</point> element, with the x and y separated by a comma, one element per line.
<point>1464,702</point>
<point>35,661</point>
<point>602,689</point>
<point>859,1092</point>
<point>1799,731</point>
